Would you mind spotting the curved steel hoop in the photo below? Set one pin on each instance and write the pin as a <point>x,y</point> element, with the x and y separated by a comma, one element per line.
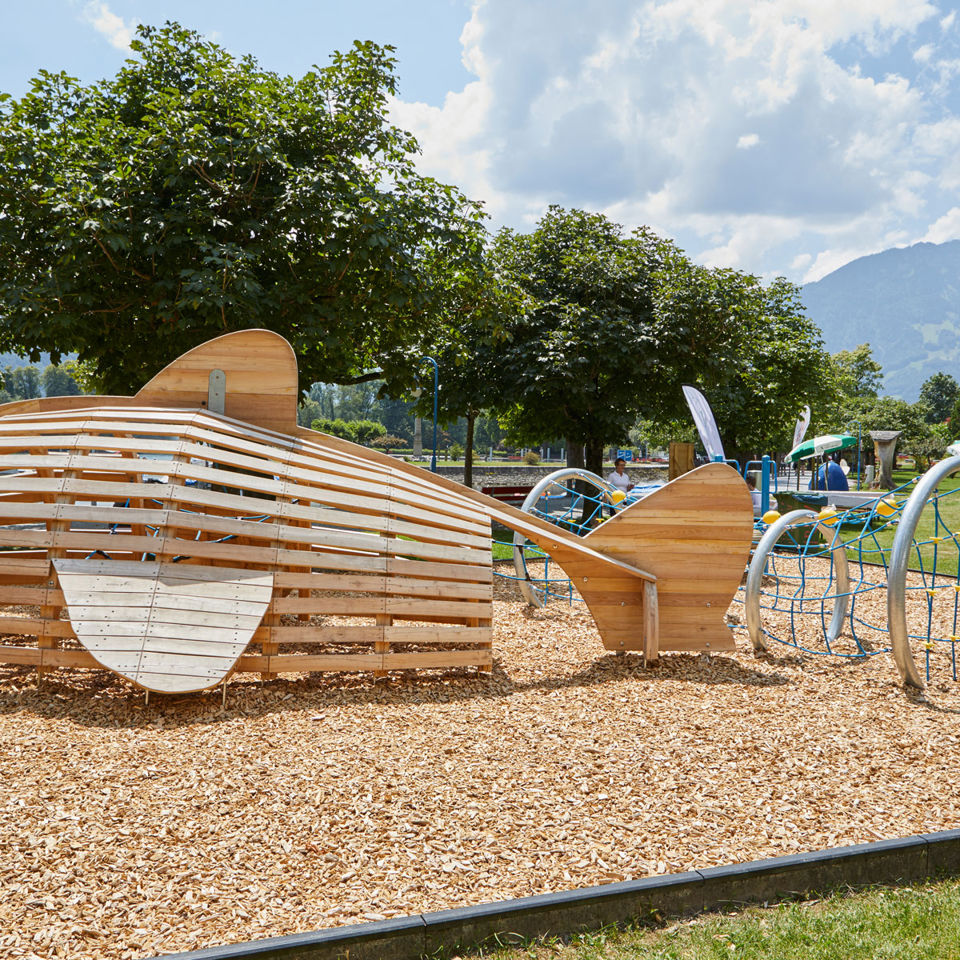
<point>903,543</point>
<point>758,565</point>
<point>524,581</point>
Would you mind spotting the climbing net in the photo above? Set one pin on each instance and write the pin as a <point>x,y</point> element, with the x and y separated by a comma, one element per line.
<point>575,500</point>
<point>883,576</point>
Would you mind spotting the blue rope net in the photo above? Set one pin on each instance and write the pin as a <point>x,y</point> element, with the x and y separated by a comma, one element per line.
<point>799,589</point>
<point>574,505</point>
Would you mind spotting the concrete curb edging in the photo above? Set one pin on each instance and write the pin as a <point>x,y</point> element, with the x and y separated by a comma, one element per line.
<point>572,911</point>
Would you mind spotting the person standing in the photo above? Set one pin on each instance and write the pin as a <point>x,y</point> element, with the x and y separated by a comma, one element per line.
<point>619,477</point>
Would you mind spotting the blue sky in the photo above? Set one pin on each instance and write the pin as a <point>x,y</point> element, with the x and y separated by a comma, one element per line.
<point>779,137</point>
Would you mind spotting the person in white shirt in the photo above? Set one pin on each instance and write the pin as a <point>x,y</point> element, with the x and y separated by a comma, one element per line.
<point>757,497</point>
<point>619,476</point>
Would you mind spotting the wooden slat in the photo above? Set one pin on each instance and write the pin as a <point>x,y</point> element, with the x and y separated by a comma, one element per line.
<point>375,583</point>
<point>368,606</point>
<point>305,633</point>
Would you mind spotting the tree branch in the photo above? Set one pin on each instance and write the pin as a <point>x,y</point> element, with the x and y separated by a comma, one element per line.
<point>361,378</point>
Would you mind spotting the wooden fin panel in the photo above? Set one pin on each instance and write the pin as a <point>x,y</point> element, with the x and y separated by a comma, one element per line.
<point>158,636</point>
<point>694,535</point>
<point>261,373</point>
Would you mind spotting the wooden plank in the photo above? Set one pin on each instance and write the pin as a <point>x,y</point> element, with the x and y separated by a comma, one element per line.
<point>160,617</point>
<point>194,597</point>
<point>442,660</point>
<point>370,606</point>
<point>375,583</point>
<point>34,626</point>
<point>308,663</point>
<point>305,633</point>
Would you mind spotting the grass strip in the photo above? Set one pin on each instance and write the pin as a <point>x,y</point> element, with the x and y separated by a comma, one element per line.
<point>916,922</point>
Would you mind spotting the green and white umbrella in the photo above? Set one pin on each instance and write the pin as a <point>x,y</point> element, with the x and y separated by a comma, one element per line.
<point>820,445</point>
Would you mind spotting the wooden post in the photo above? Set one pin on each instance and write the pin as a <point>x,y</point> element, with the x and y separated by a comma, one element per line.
<point>651,623</point>
<point>382,647</point>
<point>681,459</point>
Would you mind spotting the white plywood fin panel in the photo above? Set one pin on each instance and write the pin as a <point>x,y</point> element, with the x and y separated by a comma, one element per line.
<point>154,623</point>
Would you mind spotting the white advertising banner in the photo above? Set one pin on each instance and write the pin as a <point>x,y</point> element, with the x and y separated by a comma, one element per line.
<point>800,430</point>
<point>705,421</point>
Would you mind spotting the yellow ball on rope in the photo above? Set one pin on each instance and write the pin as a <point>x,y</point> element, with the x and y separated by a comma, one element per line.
<point>828,515</point>
<point>887,507</point>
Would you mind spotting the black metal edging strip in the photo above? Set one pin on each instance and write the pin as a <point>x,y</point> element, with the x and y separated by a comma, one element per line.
<point>571,911</point>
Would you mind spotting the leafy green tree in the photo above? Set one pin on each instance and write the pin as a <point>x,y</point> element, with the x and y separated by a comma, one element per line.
<point>772,361</point>
<point>58,381</point>
<point>610,327</point>
<point>940,393</point>
<point>365,431</point>
<point>22,383</point>
<point>388,442</point>
<point>308,410</point>
<point>892,413</point>
<point>584,345</point>
<point>857,373</point>
<point>195,193</point>
<point>472,380</point>
<point>335,428</point>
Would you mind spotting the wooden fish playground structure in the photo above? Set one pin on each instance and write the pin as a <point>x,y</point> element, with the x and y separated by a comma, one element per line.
<point>194,531</point>
<point>880,577</point>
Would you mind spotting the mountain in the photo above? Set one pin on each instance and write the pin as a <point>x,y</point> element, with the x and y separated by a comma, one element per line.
<point>15,360</point>
<point>904,302</point>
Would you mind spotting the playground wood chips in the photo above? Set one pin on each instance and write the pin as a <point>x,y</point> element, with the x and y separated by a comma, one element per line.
<point>129,830</point>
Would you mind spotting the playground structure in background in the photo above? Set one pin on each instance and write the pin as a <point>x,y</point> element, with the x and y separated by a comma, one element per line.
<point>882,577</point>
<point>879,578</point>
<point>194,531</point>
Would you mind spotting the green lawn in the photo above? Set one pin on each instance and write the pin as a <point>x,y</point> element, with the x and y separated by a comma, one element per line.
<point>906,923</point>
<point>933,523</point>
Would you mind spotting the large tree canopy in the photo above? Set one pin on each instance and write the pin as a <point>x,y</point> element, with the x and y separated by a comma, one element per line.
<point>939,393</point>
<point>773,362</point>
<point>613,325</point>
<point>581,345</point>
<point>195,193</point>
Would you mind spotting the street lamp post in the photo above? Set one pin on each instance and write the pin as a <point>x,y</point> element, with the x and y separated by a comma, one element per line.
<point>436,392</point>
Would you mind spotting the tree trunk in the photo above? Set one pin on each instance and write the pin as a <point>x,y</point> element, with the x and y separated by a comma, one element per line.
<point>594,454</point>
<point>468,451</point>
<point>574,453</point>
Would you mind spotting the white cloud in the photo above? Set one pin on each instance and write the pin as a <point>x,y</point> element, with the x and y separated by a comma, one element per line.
<point>945,228</point>
<point>638,108</point>
<point>117,32</point>
<point>947,22</point>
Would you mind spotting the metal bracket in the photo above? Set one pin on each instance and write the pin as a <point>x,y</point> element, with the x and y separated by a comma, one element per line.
<point>217,391</point>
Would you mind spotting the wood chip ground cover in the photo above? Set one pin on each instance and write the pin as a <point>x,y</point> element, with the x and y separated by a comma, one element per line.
<point>129,830</point>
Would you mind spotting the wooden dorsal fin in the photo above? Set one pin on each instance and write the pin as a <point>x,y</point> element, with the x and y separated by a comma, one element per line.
<point>260,372</point>
<point>694,536</point>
